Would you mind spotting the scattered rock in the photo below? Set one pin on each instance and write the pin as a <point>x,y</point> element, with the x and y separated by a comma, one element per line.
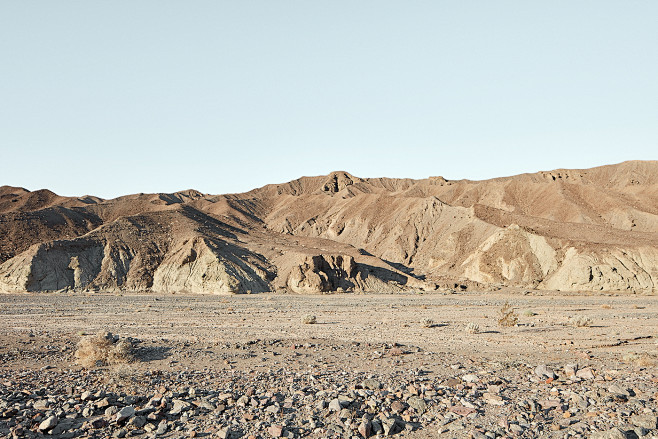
<point>647,421</point>
<point>179,406</point>
<point>49,423</point>
<point>124,414</point>
<point>545,372</point>
<point>417,404</point>
<point>275,430</point>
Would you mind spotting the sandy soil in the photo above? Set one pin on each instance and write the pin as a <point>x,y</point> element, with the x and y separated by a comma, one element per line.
<point>354,334</point>
<point>620,324</point>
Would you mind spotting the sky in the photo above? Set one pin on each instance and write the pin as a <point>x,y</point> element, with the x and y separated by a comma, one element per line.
<point>117,97</point>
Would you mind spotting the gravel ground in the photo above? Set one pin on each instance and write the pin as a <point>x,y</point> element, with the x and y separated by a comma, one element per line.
<point>401,365</point>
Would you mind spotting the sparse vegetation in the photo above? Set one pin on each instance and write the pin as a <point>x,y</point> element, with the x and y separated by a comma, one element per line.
<point>472,328</point>
<point>639,359</point>
<point>529,313</point>
<point>428,323</point>
<point>103,349</point>
<point>507,315</point>
<point>309,319</point>
<point>582,321</point>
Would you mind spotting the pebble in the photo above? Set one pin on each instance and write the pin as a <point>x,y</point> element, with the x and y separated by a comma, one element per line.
<point>545,372</point>
<point>124,414</point>
<point>488,402</point>
<point>48,424</point>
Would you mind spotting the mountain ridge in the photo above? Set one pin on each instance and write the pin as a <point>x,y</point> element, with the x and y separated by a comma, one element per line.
<point>568,229</point>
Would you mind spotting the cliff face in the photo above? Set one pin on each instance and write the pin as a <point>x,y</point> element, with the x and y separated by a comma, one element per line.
<point>570,230</point>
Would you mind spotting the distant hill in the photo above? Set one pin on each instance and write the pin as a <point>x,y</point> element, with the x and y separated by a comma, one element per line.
<point>571,230</point>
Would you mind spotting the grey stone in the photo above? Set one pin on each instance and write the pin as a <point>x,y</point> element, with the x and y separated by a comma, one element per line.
<point>137,421</point>
<point>334,405</point>
<point>647,421</point>
<point>125,413</point>
<point>617,390</point>
<point>377,426</point>
<point>179,406</point>
<point>275,430</point>
<point>274,408</point>
<point>613,433</point>
<point>641,431</point>
<point>570,369</point>
<point>516,428</point>
<point>205,405</point>
<point>392,426</point>
<point>417,404</point>
<point>543,371</point>
<point>585,374</point>
<point>162,428</point>
<point>372,384</point>
<point>49,423</point>
<point>42,404</point>
<point>471,378</point>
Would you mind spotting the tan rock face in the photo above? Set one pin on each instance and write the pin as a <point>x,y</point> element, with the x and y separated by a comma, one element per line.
<point>572,230</point>
<point>200,267</point>
<point>324,273</point>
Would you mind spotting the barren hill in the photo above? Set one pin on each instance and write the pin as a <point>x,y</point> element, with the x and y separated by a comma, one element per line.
<point>574,230</point>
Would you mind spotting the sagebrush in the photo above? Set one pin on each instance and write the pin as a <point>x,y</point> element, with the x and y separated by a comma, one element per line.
<point>472,328</point>
<point>582,321</point>
<point>103,349</point>
<point>508,316</point>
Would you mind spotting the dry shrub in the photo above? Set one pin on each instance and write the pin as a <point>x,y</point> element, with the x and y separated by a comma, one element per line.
<point>309,319</point>
<point>428,323</point>
<point>606,306</point>
<point>395,352</point>
<point>639,359</point>
<point>103,349</point>
<point>582,321</point>
<point>507,315</point>
<point>472,328</point>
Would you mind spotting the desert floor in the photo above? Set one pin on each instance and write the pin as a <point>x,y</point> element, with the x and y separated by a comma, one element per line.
<point>211,340</point>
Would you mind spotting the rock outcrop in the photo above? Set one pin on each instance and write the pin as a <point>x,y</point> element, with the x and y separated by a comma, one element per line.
<point>200,266</point>
<point>326,273</point>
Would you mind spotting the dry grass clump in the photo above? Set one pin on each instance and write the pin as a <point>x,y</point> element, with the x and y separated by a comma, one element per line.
<point>639,359</point>
<point>103,349</point>
<point>309,319</point>
<point>427,323</point>
<point>582,321</point>
<point>507,315</point>
<point>472,328</point>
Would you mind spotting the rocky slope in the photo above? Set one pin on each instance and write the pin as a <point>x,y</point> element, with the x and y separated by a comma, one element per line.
<point>573,230</point>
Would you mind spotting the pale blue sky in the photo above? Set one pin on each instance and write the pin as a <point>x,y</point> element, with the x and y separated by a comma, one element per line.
<point>117,97</point>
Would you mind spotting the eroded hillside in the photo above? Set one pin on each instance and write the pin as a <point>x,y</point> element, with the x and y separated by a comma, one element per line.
<point>572,230</point>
